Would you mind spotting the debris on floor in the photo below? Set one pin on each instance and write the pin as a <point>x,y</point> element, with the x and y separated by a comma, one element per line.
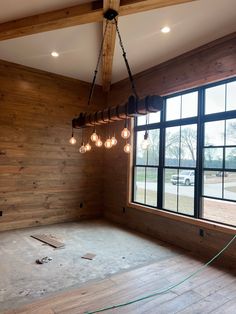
<point>89,256</point>
<point>48,239</point>
<point>43,260</point>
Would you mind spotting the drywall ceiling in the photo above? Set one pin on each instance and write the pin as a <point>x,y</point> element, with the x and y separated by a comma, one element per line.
<point>192,25</point>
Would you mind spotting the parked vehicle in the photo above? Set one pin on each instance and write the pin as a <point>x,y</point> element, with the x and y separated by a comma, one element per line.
<point>185,177</point>
<point>222,173</point>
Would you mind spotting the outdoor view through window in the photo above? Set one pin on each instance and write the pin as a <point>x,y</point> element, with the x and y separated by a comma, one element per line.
<point>185,156</point>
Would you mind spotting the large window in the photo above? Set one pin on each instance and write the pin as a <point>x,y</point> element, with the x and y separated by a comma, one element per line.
<point>189,164</point>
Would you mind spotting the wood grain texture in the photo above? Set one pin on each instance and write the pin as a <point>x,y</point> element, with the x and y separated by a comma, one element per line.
<point>80,14</point>
<point>44,179</point>
<point>207,292</point>
<point>215,61</point>
<point>109,45</point>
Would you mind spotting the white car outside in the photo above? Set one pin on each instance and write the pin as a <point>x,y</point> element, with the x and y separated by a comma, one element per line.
<point>185,177</point>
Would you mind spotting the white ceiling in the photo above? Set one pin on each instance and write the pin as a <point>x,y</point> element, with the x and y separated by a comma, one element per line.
<point>192,25</point>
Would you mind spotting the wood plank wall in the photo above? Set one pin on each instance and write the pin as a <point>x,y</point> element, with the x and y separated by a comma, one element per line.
<point>44,179</point>
<point>209,63</point>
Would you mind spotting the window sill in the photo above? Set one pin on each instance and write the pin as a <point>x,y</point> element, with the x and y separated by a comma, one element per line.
<point>193,221</point>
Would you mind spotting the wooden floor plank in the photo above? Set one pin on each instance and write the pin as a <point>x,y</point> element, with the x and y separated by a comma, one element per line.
<point>206,293</point>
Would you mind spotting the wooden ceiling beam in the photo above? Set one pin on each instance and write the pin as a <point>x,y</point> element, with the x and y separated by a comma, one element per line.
<point>76,15</point>
<point>109,45</point>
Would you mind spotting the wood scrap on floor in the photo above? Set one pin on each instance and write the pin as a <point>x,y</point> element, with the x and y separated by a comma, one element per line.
<point>89,256</point>
<point>48,239</point>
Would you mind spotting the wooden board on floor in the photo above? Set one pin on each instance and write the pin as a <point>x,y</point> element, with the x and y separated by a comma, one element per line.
<point>48,240</point>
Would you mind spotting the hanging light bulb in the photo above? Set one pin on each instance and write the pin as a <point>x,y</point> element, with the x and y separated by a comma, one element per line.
<point>125,133</point>
<point>108,143</point>
<point>82,148</point>
<point>72,139</point>
<point>94,136</point>
<point>127,148</point>
<point>146,142</point>
<point>99,142</point>
<point>113,140</point>
<point>88,147</point>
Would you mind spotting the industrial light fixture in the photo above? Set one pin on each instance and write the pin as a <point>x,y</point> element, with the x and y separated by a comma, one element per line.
<point>133,108</point>
<point>72,139</point>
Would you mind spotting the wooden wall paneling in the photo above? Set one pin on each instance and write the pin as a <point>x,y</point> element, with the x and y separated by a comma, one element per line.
<point>44,179</point>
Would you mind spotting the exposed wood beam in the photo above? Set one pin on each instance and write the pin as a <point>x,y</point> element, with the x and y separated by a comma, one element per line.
<point>109,45</point>
<point>76,15</point>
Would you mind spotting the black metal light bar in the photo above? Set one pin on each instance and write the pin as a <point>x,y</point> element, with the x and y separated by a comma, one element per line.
<point>132,108</point>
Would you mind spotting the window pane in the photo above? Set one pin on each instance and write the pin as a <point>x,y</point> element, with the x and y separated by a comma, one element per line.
<point>151,186</point>
<point>172,146</point>
<point>219,210</point>
<point>230,186</point>
<point>186,192</point>
<point>213,157</point>
<point>170,189</point>
<point>231,96</point>
<point>231,132</point>
<point>215,99</point>
<point>173,106</point>
<point>141,155</point>
<point>141,120</point>
<point>214,133</point>
<point>153,148</point>
<point>139,185</point>
<point>188,145</point>
<point>154,117</point>
<point>230,158</point>
<point>212,183</point>
<point>189,105</point>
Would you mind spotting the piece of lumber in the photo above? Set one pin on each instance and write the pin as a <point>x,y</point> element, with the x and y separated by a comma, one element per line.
<point>48,239</point>
<point>109,45</point>
<point>80,14</point>
<point>89,256</point>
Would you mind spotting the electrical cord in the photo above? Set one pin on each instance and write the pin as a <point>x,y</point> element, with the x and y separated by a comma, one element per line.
<point>166,289</point>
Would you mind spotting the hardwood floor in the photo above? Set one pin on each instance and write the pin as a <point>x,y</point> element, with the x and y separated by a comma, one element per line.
<point>211,291</point>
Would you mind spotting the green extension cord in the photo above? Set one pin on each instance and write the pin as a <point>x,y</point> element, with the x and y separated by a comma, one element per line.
<point>166,289</point>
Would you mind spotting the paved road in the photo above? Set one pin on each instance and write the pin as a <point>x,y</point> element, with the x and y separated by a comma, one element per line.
<point>213,189</point>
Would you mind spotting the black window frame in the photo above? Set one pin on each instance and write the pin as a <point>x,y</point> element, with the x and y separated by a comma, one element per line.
<point>200,121</point>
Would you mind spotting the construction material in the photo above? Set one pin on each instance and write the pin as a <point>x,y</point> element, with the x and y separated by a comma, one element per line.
<point>48,239</point>
<point>89,256</point>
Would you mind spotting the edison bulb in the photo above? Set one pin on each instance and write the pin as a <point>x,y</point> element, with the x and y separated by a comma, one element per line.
<point>88,147</point>
<point>82,149</point>
<point>145,143</point>
<point>72,140</point>
<point>94,137</point>
<point>108,143</point>
<point>99,142</point>
<point>127,148</point>
<point>113,141</point>
<point>125,133</point>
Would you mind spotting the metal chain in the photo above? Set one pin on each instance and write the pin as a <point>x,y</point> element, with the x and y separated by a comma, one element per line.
<point>126,61</point>
<point>98,62</point>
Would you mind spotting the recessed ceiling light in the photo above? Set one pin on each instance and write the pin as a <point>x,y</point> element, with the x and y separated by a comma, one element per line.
<point>54,54</point>
<point>165,29</point>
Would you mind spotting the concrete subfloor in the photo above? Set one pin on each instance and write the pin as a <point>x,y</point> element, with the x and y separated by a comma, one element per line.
<point>116,249</point>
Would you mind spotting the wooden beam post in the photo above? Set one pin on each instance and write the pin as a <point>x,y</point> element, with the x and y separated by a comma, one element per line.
<point>109,45</point>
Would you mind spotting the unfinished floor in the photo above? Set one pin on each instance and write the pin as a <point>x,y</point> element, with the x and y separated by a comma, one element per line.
<point>127,265</point>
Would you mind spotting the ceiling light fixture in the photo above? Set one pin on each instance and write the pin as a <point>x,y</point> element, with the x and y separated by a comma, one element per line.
<point>133,108</point>
<point>54,54</point>
<point>165,29</point>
